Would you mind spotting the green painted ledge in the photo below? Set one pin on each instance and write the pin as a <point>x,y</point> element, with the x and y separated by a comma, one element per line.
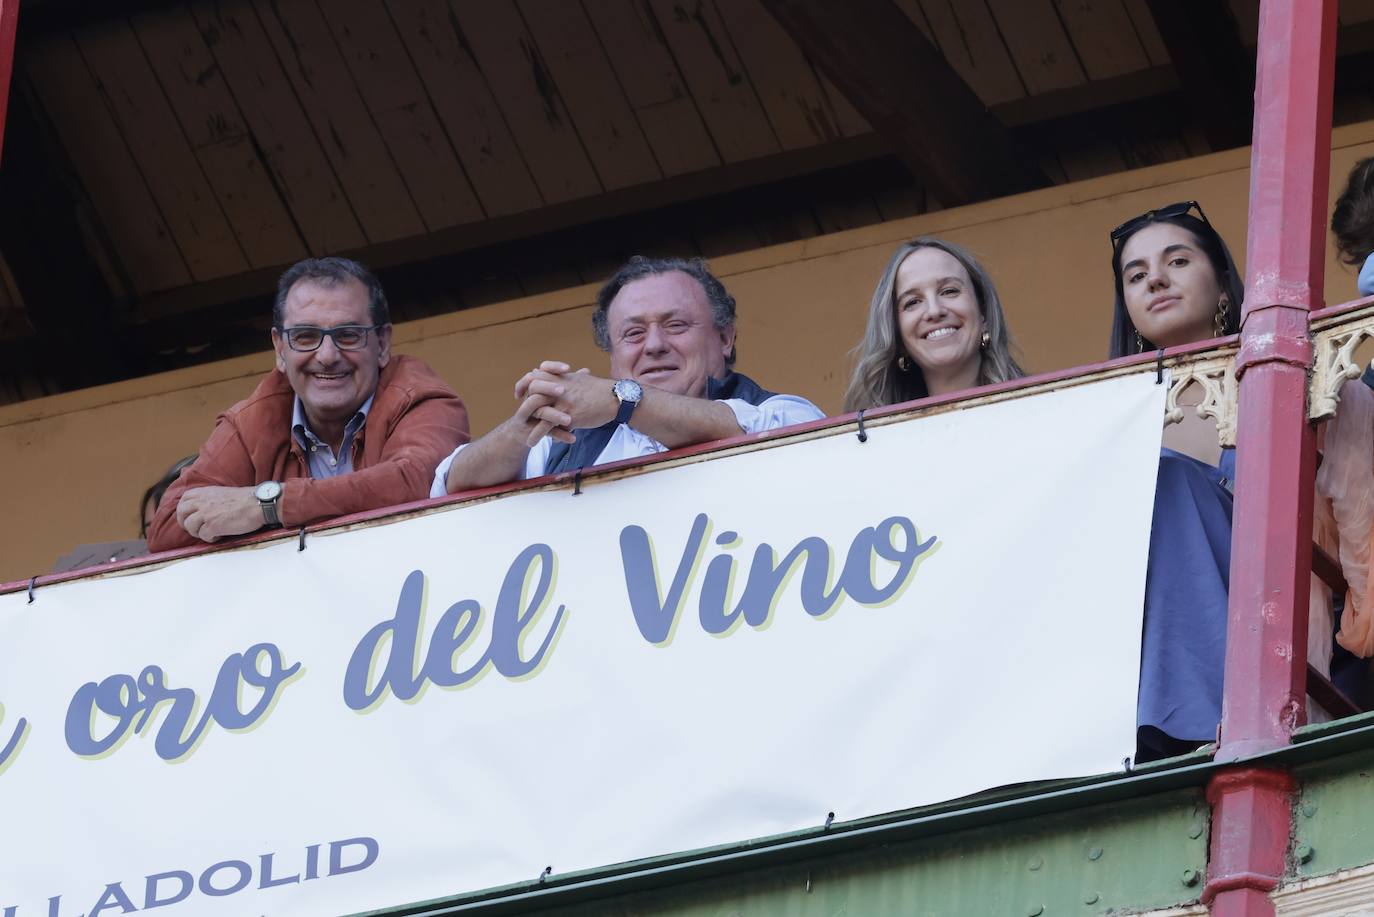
<point>974,855</point>
<point>989,841</point>
<point>1333,825</point>
<point>1141,854</point>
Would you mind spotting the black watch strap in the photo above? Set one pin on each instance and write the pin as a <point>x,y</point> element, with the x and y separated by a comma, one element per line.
<point>270,505</point>
<point>269,512</point>
<point>629,393</point>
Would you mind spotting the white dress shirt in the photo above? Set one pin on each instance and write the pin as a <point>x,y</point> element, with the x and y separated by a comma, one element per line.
<point>627,442</point>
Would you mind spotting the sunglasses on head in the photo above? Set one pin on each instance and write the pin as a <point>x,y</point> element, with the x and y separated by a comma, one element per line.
<point>1171,210</point>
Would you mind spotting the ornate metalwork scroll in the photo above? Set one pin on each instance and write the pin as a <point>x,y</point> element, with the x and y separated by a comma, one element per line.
<point>1216,376</point>
<point>1335,364</point>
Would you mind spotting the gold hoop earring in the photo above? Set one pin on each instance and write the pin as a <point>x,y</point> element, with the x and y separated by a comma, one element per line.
<point>1223,313</point>
<point>1139,342</point>
<point>985,340</point>
<point>904,364</point>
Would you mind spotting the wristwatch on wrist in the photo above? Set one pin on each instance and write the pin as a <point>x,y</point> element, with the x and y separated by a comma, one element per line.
<point>629,393</point>
<point>269,496</point>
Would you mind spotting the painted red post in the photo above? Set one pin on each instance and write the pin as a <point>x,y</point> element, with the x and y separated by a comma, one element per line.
<point>1264,695</point>
<point>9,23</point>
<point>1251,806</point>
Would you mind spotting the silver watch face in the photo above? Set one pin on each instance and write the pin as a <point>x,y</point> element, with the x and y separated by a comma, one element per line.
<point>628,390</point>
<point>268,491</point>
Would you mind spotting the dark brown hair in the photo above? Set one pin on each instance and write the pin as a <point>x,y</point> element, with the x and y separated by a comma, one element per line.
<point>1352,220</point>
<point>154,494</point>
<point>329,272</point>
<point>1123,340</point>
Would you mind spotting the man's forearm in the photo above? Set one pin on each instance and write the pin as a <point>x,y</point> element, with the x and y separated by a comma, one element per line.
<point>679,420</point>
<point>495,458</point>
<point>165,532</point>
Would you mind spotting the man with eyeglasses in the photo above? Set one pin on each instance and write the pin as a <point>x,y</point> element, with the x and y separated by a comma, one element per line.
<point>341,426</point>
<point>669,327</point>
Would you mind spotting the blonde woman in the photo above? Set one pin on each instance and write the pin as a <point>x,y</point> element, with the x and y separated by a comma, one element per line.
<point>935,325</point>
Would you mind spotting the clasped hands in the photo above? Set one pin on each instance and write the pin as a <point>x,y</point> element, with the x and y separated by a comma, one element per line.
<point>212,513</point>
<point>555,401</point>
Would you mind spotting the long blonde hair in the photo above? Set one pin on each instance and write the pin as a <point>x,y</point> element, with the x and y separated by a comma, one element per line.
<point>877,380</point>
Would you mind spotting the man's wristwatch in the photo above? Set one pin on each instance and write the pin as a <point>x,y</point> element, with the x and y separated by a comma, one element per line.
<point>629,393</point>
<point>269,495</point>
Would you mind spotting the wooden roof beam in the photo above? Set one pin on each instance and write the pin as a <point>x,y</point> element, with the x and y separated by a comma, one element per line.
<point>899,82</point>
<point>1216,70</point>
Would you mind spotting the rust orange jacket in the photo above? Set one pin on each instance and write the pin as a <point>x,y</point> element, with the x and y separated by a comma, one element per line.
<point>415,420</point>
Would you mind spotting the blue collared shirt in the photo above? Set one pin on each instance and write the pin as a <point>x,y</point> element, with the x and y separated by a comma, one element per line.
<point>323,462</point>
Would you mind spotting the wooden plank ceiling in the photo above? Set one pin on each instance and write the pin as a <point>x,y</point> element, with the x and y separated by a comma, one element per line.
<point>204,144</point>
<point>215,138</point>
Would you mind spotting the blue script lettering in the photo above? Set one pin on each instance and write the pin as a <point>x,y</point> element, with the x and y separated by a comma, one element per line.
<point>656,615</point>
<point>134,703</point>
<point>11,748</point>
<point>524,595</point>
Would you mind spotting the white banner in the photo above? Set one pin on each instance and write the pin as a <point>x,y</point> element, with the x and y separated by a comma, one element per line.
<point>681,658</point>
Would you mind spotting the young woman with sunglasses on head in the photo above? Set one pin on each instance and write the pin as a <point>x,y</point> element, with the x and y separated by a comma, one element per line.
<point>1176,283</point>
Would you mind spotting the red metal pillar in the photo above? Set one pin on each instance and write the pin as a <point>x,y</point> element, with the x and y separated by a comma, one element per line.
<point>1251,811</point>
<point>1264,698</point>
<point>9,22</point>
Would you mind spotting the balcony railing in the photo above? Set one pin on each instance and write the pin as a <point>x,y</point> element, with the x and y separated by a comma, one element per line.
<point>414,537</point>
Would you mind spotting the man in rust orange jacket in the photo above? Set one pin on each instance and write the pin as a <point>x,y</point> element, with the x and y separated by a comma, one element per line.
<point>341,426</point>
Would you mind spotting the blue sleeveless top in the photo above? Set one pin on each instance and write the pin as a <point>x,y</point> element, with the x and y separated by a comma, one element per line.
<point>1183,650</point>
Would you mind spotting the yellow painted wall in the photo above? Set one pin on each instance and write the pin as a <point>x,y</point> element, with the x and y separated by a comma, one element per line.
<point>74,465</point>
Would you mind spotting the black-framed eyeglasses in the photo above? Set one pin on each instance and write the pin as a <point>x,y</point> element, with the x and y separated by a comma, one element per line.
<point>1169,210</point>
<point>305,338</point>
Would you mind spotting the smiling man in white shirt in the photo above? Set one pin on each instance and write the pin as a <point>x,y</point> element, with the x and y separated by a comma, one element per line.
<point>669,327</point>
